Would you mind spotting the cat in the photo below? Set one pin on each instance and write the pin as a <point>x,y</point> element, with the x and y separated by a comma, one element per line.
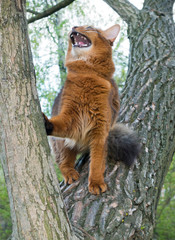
<point>84,113</point>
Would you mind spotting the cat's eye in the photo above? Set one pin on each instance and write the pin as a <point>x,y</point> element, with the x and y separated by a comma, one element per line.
<point>89,28</point>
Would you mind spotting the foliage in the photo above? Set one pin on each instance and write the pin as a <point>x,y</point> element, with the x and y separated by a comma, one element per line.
<point>5,218</point>
<point>166,208</point>
<point>58,172</point>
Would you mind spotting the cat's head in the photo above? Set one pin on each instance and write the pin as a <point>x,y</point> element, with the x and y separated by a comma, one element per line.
<point>86,42</point>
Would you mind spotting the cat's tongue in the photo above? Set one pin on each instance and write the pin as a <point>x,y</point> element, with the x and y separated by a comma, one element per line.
<point>79,40</point>
<point>81,43</point>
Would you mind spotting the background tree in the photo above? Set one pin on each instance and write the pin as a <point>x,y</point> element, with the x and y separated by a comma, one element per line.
<point>128,211</point>
<point>5,218</point>
<point>165,222</point>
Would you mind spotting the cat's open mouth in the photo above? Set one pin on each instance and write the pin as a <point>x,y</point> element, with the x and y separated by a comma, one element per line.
<point>79,40</point>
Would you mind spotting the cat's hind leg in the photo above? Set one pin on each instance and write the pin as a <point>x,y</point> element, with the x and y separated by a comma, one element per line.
<point>65,158</point>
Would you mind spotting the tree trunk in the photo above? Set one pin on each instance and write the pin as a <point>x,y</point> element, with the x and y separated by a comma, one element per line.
<point>127,210</point>
<point>36,205</point>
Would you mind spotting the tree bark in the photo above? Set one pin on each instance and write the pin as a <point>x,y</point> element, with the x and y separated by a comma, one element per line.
<point>37,208</point>
<point>127,210</point>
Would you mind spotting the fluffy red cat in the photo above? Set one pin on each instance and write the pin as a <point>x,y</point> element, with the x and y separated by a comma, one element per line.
<point>84,113</point>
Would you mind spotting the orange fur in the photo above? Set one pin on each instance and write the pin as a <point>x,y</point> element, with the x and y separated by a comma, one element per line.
<point>87,107</point>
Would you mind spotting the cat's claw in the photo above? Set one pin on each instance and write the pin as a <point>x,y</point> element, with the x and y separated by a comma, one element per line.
<point>97,188</point>
<point>48,125</point>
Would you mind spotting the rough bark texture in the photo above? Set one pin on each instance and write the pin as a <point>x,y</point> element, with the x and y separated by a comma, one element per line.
<point>127,210</point>
<point>37,208</point>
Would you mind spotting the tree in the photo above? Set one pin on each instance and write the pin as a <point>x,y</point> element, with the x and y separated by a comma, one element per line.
<point>127,210</point>
<point>36,205</point>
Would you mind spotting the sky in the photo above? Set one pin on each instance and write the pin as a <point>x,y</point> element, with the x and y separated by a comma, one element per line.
<point>104,7</point>
<point>137,3</point>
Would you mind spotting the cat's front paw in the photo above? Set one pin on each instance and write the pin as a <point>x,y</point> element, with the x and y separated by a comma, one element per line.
<point>95,187</point>
<point>48,125</point>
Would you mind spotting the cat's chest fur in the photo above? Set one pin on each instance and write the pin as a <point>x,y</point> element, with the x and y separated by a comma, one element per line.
<point>86,96</point>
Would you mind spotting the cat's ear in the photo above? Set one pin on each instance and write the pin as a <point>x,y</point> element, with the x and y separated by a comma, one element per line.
<point>111,33</point>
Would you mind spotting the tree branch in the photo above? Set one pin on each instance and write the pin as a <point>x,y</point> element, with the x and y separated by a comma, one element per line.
<point>124,8</point>
<point>31,11</point>
<point>51,10</point>
<point>160,7</point>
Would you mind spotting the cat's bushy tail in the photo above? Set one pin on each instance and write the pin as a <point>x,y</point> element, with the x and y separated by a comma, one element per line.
<point>123,144</point>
